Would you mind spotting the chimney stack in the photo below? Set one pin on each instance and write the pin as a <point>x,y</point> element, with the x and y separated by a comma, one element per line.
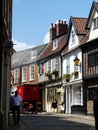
<point>58,29</point>
<point>52,31</point>
<point>61,28</point>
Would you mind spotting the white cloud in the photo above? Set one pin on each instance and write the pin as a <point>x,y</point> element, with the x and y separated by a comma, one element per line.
<point>18,46</point>
<point>46,38</point>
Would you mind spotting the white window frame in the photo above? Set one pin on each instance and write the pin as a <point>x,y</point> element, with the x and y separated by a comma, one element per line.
<point>49,65</point>
<point>55,44</point>
<point>32,72</point>
<point>68,66</point>
<point>34,54</point>
<point>24,74</point>
<point>16,76</point>
<point>95,23</point>
<point>77,95</point>
<point>73,37</point>
<point>57,63</point>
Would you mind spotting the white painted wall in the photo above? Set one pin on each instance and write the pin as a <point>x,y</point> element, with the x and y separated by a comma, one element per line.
<point>72,45</point>
<point>93,32</point>
<point>71,56</point>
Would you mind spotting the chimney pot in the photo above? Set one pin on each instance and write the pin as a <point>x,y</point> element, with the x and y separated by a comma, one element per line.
<point>59,21</point>
<point>64,22</point>
<point>51,25</point>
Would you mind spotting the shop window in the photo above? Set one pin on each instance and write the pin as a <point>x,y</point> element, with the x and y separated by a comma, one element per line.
<point>91,94</point>
<point>51,94</point>
<point>77,96</point>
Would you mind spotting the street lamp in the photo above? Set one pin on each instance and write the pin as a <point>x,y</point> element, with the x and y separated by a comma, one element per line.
<point>77,62</point>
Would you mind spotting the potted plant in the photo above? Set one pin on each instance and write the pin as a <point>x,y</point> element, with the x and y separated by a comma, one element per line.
<point>49,75</point>
<point>66,77</point>
<point>75,73</point>
<point>55,72</point>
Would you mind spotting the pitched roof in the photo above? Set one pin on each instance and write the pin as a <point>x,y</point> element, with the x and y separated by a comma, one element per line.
<point>80,24</point>
<point>94,8</point>
<point>49,49</point>
<point>22,58</point>
<point>85,39</point>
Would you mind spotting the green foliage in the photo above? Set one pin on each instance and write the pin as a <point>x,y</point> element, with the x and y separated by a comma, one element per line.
<point>48,74</point>
<point>66,76</point>
<point>55,72</point>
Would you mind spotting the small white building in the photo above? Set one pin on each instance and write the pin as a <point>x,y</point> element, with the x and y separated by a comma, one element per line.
<point>72,71</point>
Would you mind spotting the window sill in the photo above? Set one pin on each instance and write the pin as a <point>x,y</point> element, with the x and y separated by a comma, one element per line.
<point>31,80</point>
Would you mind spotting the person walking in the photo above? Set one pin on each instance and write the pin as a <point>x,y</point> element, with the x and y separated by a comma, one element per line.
<point>96,111</point>
<point>54,105</point>
<point>15,102</point>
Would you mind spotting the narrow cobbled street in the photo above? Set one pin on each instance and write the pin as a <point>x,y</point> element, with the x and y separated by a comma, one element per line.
<point>48,121</point>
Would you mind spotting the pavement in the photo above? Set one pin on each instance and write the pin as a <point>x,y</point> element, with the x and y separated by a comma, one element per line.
<point>23,126</point>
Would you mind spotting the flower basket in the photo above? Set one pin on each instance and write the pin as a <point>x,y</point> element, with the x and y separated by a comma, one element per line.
<point>55,72</point>
<point>66,77</point>
<point>49,75</point>
<point>75,73</point>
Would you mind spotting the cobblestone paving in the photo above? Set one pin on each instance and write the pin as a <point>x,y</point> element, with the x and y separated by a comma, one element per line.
<point>54,122</point>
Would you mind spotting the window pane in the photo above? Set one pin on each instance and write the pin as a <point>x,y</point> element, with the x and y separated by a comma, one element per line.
<point>93,58</point>
<point>32,72</point>
<point>68,66</point>
<point>77,95</point>
<point>24,74</point>
<point>57,63</point>
<point>16,76</point>
<point>49,65</point>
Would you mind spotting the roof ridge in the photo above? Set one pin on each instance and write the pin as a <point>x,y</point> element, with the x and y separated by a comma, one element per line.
<point>31,48</point>
<point>79,18</point>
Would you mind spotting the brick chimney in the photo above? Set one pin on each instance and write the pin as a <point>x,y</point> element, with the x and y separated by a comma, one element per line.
<point>52,31</point>
<point>58,29</point>
<point>61,27</point>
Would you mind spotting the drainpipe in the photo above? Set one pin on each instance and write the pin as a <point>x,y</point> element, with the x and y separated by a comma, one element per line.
<point>63,86</point>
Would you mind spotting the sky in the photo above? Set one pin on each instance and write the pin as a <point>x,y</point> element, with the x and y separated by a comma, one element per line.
<point>31,19</point>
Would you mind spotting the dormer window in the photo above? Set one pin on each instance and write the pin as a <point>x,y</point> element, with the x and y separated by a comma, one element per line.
<point>55,44</point>
<point>95,23</point>
<point>34,54</point>
<point>73,37</point>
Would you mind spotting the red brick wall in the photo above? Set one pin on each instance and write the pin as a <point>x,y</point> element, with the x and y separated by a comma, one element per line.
<point>35,81</point>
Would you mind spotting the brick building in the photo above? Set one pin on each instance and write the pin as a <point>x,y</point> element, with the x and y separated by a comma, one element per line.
<point>24,68</point>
